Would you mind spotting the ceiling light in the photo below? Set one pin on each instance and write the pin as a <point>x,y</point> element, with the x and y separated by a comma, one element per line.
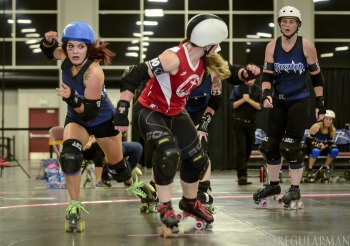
<point>247,50</point>
<point>271,24</point>
<point>132,54</point>
<point>341,48</point>
<point>154,12</point>
<point>32,35</point>
<point>264,35</point>
<point>9,21</point>
<point>326,55</point>
<point>26,30</point>
<point>38,50</point>
<point>34,46</point>
<point>22,21</point>
<point>134,48</point>
<point>252,36</point>
<point>158,1</point>
<point>32,41</point>
<point>147,23</point>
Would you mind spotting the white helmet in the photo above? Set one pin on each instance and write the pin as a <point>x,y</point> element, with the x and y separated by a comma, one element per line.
<point>289,11</point>
<point>206,29</point>
<point>330,113</point>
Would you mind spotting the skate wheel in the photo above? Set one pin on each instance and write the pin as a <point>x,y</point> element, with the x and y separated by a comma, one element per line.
<point>143,208</point>
<point>137,171</point>
<point>347,175</point>
<point>293,205</point>
<point>278,199</point>
<point>180,216</point>
<point>67,227</point>
<point>300,205</point>
<point>263,203</point>
<point>199,225</point>
<point>81,226</point>
<point>211,209</point>
<point>208,227</point>
<point>164,231</point>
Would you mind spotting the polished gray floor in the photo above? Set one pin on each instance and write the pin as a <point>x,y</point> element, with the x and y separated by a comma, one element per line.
<point>31,214</point>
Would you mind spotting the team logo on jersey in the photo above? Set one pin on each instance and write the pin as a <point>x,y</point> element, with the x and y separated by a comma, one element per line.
<point>288,67</point>
<point>187,86</point>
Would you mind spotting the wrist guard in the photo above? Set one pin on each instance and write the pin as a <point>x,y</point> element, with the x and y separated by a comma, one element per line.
<point>48,51</point>
<point>205,122</point>
<point>320,105</point>
<point>73,100</point>
<point>265,94</point>
<point>121,113</point>
<point>249,77</point>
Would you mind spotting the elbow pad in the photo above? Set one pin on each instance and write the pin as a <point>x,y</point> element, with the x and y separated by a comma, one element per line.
<point>91,109</point>
<point>48,51</point>
<point>133,76</point>
<point>317,79</point>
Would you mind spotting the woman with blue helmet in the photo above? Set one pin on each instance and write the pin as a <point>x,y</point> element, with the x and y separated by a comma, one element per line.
<point>89,111</point>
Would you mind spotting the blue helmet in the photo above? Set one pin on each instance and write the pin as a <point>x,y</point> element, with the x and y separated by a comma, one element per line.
<point>78,31</point>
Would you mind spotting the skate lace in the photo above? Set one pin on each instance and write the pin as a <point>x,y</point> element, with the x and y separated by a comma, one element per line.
<point>75,208</point>
<point>135,188</point>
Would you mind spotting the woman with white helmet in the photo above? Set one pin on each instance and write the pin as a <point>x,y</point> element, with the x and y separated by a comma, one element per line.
<point>320,141</point>
<point>287,99</point>
<point>161,119</point>
<point>89,111</point>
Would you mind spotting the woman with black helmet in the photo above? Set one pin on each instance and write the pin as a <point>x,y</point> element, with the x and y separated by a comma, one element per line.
<point>320,141</point>
<point>163,122</point>
<point>89,112</point>
<point>287,60</point>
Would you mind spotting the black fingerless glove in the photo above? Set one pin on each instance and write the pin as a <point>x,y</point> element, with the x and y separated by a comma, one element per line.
<point>121,113</point>
<point>320,105</point>
<point>205,122</point>
<point>250,75</point>
<point>265,94</point>
<point>73,100</point>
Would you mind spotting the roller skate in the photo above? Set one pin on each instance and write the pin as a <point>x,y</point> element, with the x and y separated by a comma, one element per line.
<point>74,222</point>
<point>140,189</point>
<point>268,190</point>
<point>326,175</point>
<point>193,208</point>
<point>171,225</point>
<point>150,207</point>
<point>204,195</point>
<point>291,199</point>
<point>310,176</point>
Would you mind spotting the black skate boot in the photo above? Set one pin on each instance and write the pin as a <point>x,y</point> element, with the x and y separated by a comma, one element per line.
<point>268,190</point>
<point>169,219</point>
<point>73,217</point>
<point>193,208</point>
<point>291,199</point>
<point>310,175</point>
<point>326,175</point>
<point>150,206</point>
<point>204,195</point>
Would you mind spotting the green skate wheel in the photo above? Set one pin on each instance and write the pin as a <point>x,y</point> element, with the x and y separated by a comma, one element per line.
<point>81,226</point>
<point>211,209</point>
<point>152,208</point>
<point>67,226</point>
<point>143,208</point>
<point>137,171</point>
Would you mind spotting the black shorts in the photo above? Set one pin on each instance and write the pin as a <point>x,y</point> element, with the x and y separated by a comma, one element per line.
<point>90,153</point>
<point>105,129</point>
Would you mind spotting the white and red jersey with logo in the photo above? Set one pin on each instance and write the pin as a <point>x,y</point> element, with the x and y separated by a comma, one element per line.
<point>168,93</point>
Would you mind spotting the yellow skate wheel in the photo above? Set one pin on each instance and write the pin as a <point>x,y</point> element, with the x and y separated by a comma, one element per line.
<point>143,208</point>
<point>181,229</point>
<point>137,171</point>
<point>151,188</point>
<point>67,227</point>
<point>81,226</point>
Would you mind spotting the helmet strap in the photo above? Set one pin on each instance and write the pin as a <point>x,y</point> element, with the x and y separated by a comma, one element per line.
<point>206,52</point>
<point>81,62</point>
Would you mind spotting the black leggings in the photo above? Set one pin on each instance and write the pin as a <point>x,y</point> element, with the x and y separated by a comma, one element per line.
<point>288,119</point>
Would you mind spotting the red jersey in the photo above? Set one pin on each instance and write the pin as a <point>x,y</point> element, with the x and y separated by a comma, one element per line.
<point>168,93</point>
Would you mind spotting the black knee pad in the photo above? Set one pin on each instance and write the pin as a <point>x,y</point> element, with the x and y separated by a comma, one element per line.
<point>71,157</point>
<point>121,171</point>
<point>293,151</point>
<point>193,169</point>
<point>166,160</point>
<point>269,150</point>
<point>98,158</point>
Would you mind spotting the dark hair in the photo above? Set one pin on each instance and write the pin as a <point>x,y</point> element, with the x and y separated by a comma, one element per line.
<point>97,51</point>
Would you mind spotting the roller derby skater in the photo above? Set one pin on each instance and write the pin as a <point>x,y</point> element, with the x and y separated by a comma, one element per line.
<point>73,217</point>
<point>286,97</point>
<point>159,113</point>
<point>320,141</point>
<point>89,110</point>
<point>193,208</point>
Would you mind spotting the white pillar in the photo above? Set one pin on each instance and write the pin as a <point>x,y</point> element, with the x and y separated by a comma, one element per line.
<point>306,8</point>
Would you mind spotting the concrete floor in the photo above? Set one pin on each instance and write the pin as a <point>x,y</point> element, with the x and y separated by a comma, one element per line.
<point>32,215</point>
